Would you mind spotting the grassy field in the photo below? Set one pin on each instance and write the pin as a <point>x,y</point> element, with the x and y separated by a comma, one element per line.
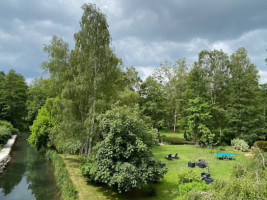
<point>167,188</point>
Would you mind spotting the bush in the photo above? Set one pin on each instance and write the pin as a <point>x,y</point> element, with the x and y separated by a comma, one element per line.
<point>188,181</point>
<point>5,134</point>
<point>239,144</point>
<point>188,177</point>
<point>6,124</point>
<point>63,180</point>
<point>40,129</point>
<point>262,145</point>
<point>187,187</point>
<point>123,160</point>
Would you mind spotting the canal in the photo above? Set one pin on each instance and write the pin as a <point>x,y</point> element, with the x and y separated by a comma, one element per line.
<point>28,176</point>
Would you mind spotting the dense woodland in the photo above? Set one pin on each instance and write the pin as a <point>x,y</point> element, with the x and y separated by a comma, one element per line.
<point>91,105</point>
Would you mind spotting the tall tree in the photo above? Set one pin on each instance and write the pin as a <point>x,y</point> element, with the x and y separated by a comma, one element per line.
<point>88,80</point>
<point>216,65</point>
<point>15,95</point>
<point>243,106</point>
<point>153,101</point>
<point>173,77</point>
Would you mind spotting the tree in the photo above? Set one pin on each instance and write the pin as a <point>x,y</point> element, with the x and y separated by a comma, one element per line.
<point>199,120</point>
<point>122,159</point>
<point>40,130</point>
<point>216,65</point>
<point>173,77</point>
<point>243,119</point>
<point>153,101</point>
<point>38,91</point>
<point>13,99</point>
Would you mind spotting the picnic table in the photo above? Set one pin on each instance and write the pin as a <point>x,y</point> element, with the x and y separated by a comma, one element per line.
<point>224,156</point>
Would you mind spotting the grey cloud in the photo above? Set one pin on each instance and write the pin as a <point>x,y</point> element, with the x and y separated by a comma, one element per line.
<point>144,33</point>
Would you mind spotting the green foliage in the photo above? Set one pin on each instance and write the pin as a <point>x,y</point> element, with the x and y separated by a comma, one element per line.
<point>198,121</point>
<point>13,96</point>
<point>39,90</point>
<point>40,130</point>
<point>68,190</point>
<point>5,134</point>
<point>239,144</point>
<point>248,181</point>
<point>122,160</point>
<point>188,177</point>
<point>188,181</point>
<point>243,110</point>
<point>153,101</point>
<point>187,187</point>
<point>6,124</point>
<point>262,145</point>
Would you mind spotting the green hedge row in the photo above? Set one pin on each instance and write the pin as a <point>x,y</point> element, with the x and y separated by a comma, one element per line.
<point>66,186</point>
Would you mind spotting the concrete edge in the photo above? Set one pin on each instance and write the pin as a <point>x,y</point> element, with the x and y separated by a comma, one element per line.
<point>5,152</point>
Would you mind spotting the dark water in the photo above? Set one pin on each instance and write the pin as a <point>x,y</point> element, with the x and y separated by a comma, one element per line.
<point>28,176</point>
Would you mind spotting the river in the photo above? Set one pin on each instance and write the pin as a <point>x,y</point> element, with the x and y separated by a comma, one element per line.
<point>28,176</point>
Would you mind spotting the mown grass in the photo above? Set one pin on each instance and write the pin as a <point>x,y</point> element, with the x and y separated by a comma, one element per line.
<point>167,188</point>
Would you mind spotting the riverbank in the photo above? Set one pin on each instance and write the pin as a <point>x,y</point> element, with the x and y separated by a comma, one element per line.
<point>5,153</point>
<point>28,175</point>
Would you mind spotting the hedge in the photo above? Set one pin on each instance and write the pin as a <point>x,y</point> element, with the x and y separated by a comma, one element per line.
<point>66,186</point>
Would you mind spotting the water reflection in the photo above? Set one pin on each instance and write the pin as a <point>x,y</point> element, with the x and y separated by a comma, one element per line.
<point>28,176</point>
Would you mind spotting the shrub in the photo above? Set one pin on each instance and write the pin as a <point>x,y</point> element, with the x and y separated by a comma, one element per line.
<point>5,134</point>
<point>123,160</point>
<point>40,129</point>
<point>6,124</point>
<point>239,144</point>
<point>262,145</point>
<point>63,180</point>
<point>188,181</point>
<point>187,177</point>
<point>187,187</point>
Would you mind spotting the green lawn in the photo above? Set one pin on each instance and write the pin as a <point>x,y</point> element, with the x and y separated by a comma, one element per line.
<point>172,138</point>
<point>167,189</point>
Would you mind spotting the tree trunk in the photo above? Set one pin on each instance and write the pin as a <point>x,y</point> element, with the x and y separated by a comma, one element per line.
<point>175,117</point>
<point>159,138</point>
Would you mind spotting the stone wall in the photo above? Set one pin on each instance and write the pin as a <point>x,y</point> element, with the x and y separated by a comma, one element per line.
<point>5,153</point>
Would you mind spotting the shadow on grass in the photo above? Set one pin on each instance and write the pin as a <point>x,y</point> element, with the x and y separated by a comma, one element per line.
<point>149,192</point>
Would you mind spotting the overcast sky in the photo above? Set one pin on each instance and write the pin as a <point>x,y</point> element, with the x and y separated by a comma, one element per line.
<point>144,32</point>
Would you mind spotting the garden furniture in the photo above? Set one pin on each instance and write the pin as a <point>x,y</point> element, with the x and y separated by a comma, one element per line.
<point>204,175</point>
<point>176,156</point>
<point>224,156</point>
<point>169,157</point>
<point>192,165</point>
<point>208,180</point>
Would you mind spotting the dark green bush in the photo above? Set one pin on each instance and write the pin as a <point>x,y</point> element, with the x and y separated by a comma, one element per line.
<point>262,145</point>
<point>5,134</point>
<point>68,190</point>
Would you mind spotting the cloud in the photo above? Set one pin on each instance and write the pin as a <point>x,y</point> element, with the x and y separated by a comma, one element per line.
<point>145,33</point>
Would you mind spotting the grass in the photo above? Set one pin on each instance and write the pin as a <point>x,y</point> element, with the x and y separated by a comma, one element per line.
<point>167,188</point>
<point>169,137</point>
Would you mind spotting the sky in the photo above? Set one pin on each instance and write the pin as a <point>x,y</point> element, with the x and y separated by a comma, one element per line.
<point>144,33</point>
